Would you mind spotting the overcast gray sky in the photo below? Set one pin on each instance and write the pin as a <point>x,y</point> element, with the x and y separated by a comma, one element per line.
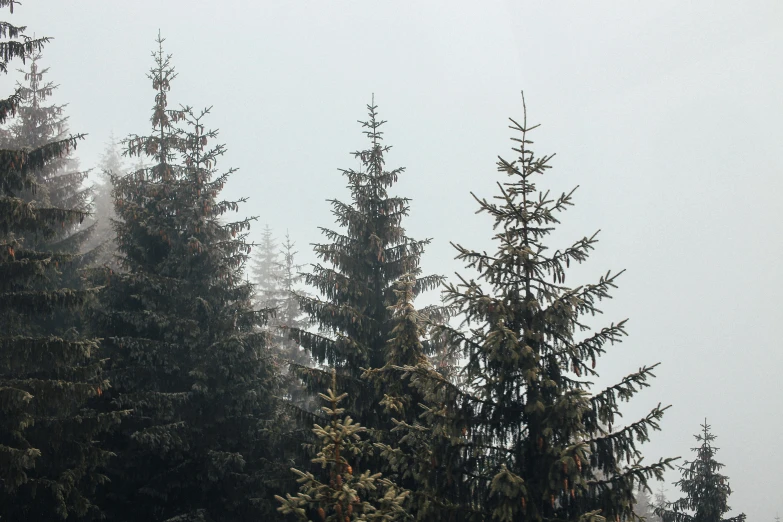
<point>667,114</point>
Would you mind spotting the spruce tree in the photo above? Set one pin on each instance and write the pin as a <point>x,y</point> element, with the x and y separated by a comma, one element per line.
<point>49,370</point>
<point>645,506</point>
<point>266,271</point>
<point>289,314</point>
<point>60,182</point>
<point>102,207</point>
<point>276,277</point>
<point>525,438</point>
<point>342,495</point>
<point>362,263</point>
<point>659,500</point>
<point>706,490</point>
<point>186,352</point>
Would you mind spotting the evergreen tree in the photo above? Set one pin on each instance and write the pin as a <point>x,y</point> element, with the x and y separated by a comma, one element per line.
<point>186,351</point>
<point>267,272</point>
<point>645,506</point>
<point>103,204</point>
<point>524,439</point>
<point>367,258</point>
<point>659,501</point>
<point>276,286</point>
<point>49,464</point>
<point>706,490</point>
<point>289,313</point>
<point>60,182</point>
<point>345,496</point>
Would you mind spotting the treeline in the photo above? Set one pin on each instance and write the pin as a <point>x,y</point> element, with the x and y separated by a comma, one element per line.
<point>155,365</point>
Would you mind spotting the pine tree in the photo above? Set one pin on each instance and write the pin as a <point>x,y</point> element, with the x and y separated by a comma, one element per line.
<point>49,464</point>
<point>267,272</point>
<point>289,313</point>
<point>706,490</point>
<point>183,337</point>
<point>524,439</point>
<point>660,500</point>
<point>367,258</point>
<point>110,164</point>
<point>645,506</point>
<point>276,286</point>
<point>345,496</point>
<point>60,182</point>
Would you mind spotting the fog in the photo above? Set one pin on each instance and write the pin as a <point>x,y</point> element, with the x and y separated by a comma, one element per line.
<point>664,113</point>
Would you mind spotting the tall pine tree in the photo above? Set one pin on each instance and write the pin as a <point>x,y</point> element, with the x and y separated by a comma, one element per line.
<point>178,322</point>
<point>49,370</point>
<point>706,490</point>
<point>363,262</point>
<point>525,438</point>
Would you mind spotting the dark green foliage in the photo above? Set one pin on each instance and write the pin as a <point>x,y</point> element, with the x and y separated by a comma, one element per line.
<point>49,370</point>
<point>363,262</point>
<point>524,438</point>
<point>345,493</point>
<point>187,353</point>
<point>706,490</point>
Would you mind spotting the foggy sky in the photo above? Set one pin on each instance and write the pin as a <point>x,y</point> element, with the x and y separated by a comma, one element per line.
<point>665,113</point>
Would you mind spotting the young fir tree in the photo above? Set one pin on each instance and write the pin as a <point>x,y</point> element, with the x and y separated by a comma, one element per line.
<point>367,257</point>
<point>706,490</point>
<point>276,284</point>
<point>289,314</point>
<point>645,506</point>
<point>524,439</point>
<point>110,164</point>
<point>344,496</point>
<point>659,500</point>
<point>49,464</point>
<point>186,351</point>
<point>266,271</point>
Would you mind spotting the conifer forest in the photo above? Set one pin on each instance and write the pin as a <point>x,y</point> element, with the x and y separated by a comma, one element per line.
<point>307,261</point>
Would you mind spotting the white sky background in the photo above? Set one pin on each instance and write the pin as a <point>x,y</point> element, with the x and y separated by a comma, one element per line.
<point>666,113</point>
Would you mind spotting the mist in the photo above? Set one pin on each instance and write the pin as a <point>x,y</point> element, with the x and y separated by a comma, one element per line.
<point>663,114</point>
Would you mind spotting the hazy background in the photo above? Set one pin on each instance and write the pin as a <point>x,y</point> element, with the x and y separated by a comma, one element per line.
<point>666,113</point>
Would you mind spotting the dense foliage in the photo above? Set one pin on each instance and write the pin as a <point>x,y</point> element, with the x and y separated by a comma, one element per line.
<point>145,377</point>
<point>364,261</point>
<point>49,369</point>
<point>347,495</point>
<point>186,351</point>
